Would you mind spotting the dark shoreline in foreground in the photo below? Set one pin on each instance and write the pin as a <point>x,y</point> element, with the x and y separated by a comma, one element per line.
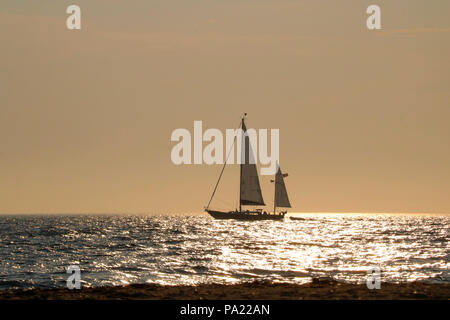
<point>318,289</point>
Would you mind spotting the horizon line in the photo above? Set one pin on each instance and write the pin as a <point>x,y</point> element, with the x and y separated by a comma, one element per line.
<point>200,213</point>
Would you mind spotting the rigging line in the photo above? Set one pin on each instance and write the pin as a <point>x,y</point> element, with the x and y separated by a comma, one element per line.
<point>223,168</point>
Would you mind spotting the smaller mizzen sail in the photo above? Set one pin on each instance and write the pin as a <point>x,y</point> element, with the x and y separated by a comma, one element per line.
<point>250,188</point>
<point>281,196</point>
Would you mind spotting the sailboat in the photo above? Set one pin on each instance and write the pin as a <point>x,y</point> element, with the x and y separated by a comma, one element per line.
<point>250,190</point>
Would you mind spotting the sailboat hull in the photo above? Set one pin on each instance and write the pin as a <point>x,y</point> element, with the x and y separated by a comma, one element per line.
<point>248,216</point>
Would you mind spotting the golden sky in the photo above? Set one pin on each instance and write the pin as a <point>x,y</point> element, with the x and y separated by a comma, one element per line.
<point>86,116</point>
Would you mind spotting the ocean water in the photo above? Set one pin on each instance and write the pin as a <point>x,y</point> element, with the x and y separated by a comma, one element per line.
<point>112,250</point>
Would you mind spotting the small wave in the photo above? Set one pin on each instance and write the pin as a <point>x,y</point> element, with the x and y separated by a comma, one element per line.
<point>310,244</point>
<point>174,241</point>
<point>16,284</point>
<point>282,273</point>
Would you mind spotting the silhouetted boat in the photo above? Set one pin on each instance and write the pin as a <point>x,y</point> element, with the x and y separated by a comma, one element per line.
<point>296,218</point>
<point>250,190</point>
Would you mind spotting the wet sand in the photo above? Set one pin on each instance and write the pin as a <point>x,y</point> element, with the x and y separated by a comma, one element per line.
<point>317,289</point>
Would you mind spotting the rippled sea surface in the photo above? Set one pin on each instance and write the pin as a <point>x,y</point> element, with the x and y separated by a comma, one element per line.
<point>111,250</point>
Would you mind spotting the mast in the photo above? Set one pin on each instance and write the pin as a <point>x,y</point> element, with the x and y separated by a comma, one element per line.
<point>240,205</point>
<point>275,191</point>
<point>240,171</point>
<point>274,204</point>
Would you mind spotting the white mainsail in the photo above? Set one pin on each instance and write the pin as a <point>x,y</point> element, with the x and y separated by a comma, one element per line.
<point>250,193</point>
